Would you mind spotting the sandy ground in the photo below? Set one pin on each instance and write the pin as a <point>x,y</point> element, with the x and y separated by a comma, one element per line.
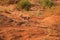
<point>37,24</point>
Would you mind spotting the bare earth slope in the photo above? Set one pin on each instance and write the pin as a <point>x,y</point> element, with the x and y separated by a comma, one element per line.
<point>48,29</point>
<point>30,25</point>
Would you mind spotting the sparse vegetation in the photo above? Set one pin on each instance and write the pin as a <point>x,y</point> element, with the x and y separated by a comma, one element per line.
<point>23,4</point>
<point>46,3</point>
<point>36,23</point>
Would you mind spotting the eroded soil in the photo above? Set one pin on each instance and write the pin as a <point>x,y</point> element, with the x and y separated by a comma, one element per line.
<point>37,24</point>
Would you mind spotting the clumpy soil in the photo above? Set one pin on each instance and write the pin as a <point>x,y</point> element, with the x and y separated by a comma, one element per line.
<point>36,24</point>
